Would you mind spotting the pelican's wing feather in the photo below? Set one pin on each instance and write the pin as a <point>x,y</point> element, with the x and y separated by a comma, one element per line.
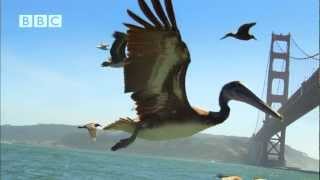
<point>157,62</point>
<point>93,133</point>
<point>246,27</point>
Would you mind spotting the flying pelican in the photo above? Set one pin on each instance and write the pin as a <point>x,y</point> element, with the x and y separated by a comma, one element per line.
<point>103,46</point>
<point>243,32</point>
<point>117,51</point>
<point>92,129</point>
<point>157,64</point>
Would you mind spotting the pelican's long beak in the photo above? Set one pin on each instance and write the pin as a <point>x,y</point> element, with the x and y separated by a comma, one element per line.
<point>238,91</point>
<point>223,37</point>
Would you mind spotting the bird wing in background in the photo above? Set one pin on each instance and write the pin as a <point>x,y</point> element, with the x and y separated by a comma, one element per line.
<point>157,63</point>
<point>93,133</point>
<point>92,130</point>
<point>118,48</point>
<point>103,46</point>
<point>246,27</point>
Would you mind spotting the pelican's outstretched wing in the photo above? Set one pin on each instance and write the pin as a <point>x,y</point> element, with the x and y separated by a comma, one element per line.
<point>246,27</point>
<point>157,62</point>
<point>93,134</point>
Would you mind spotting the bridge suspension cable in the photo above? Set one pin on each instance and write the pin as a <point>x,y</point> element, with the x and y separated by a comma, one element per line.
<point>307,56</point>
<point>304,52</point>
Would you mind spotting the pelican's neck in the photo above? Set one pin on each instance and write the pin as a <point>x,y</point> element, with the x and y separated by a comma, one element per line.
<point>223,114</point>
<point>231,34</point>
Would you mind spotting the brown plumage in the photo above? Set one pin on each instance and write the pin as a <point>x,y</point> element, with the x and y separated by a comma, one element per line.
<point>155,75</point>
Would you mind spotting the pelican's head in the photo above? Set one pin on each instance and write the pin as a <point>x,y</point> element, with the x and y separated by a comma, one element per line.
<point>97,125</point>
<point>106,64</point>
<point>237,91</point>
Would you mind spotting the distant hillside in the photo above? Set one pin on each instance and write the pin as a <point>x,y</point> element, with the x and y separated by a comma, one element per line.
<point>200,146</point>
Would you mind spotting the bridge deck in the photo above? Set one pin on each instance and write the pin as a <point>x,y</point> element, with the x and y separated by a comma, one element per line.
<point>306,98</point>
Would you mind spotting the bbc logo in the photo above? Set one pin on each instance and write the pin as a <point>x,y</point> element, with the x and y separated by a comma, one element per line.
<point>40,21</point>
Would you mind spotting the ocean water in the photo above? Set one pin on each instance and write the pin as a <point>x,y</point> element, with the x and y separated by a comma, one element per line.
<point>32,162</point>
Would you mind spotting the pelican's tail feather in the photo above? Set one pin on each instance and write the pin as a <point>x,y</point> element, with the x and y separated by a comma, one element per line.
<point>123,124</point>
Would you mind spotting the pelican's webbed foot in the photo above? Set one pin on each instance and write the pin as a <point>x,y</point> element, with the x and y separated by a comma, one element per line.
<point>125,142</point>
<point>122,143</point>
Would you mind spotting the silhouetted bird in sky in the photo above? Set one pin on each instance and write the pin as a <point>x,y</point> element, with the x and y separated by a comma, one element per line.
<point>92,128</point>
<point>117,51</point>
<point>243,32</point>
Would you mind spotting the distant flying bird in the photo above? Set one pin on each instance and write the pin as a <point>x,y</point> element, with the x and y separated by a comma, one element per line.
<point>92,129</point>
<point>117,51</point>
<point>243,32</point>
<point>103,46</point>
<point>158,61</point>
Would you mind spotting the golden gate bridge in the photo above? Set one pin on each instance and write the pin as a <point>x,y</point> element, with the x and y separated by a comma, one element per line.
<point>267,145</point>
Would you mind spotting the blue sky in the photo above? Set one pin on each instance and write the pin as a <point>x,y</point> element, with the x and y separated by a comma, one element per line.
<point>54,75</point>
